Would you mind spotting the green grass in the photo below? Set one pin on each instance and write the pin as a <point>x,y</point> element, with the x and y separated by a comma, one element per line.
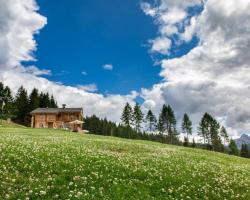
<point>9,124</point>
<point>53,164</point>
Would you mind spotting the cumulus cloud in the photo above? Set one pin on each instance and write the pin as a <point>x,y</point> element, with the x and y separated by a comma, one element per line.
<point>19,21</point>
<point>214,76</point>
<point>88,88</point>
<point>37,72</point>
<point>108,67</point>
<point>170,16</point>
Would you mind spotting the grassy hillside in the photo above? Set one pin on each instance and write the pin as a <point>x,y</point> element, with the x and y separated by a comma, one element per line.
<point>9,124</point>
<point>53,164</point>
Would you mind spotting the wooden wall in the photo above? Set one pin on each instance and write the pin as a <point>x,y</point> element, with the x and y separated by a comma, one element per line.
<point>44,120</point>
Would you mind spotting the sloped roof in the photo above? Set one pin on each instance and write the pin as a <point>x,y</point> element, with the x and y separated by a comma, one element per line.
<point>56,110</point>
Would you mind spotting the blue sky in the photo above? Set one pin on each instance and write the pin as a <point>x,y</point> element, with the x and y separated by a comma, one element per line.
<point>85,35</point>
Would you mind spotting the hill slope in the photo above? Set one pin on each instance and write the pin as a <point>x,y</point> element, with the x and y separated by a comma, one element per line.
<point>53,164</point>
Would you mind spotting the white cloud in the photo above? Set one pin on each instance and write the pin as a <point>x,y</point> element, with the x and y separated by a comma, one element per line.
<point>88,88</point>
<point>108,67</point>
<point>161,45</point>
<point>214,76</point>
<point>37,72</point>
<point>170,16</point>
<point>148,9</point>
<point>84,73</point>
<point>19,21</point>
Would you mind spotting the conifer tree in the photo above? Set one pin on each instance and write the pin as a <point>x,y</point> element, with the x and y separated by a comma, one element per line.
<point>44,100</point>
<point>137,117</point>
<point>127,115</point>
<point>34,100</point>
<point>151,119</point>
<point>233,149</point>
<point>160,125</point>
<point>244,152</point>
<point>203,128</point>
<point>22,105</point>
<point>187,126</point>
<point>53,103</point>
<point>224,135</point>
<point>168,121</point>
<point>209,129</point>
<point>193,144</point>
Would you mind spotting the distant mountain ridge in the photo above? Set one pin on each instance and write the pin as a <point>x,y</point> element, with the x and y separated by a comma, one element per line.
<point>244,139</point>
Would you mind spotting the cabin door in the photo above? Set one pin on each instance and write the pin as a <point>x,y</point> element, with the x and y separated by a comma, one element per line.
<point>50,125</point>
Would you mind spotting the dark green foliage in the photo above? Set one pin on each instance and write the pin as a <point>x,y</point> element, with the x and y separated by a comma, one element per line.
<point>160,125</point>
<point>209,130</point>
<point>53,103</point>
<point>233,150</point>
<point>244,152</point>
<point>34,100</point>
<point>193,143</point>
<point>167,122</point>
<point>44,100</point>
<point>224,135</point>
<point>186,126</point>
<point>151,121</point>
<point>127,115</point>
<point>22,105</point>
<point>99,126</point>
<point>185,143</point>
<point>7,107</point>
<point>137,117</point>
<point>18,108</point>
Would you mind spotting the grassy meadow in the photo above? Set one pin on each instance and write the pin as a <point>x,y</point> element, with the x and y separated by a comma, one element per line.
<point>55,164</point>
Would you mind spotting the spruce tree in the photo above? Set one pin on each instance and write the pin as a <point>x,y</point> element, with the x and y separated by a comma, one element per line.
<point>53,103</point>
<point>233,149</point>
<point>137,117</point>
<point>44,100</point>
<point>22,105</point>
<point>160,125</point>
<point>187,126</point>
<point>193,144</point>
<point>203,128</point>
<point>151,120</point>
<point>9,108</point>
<point>34,100</point>
<point>168,121</point>
<point>244,152</point>
<point>127,115</point>
<point>224,135</point>
<point>209,129</point>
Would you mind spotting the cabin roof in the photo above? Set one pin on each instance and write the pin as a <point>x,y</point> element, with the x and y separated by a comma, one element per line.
<point>56,110</point>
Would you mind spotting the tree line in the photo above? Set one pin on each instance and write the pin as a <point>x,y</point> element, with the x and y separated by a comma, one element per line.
<point>134,125</point>
<point>214,135</point>
<point>18,107</point>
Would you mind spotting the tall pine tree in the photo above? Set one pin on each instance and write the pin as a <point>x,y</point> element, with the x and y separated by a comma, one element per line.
<point>244,152</point>
<point>224,135</point>
<point>34,100</point>
<point>151,120</point>
<point>186,126</point>
<point>168,120</point>
<point>22,105</point>
<point>127,115</point>
<point>137,117</point>
<point>233,149</point>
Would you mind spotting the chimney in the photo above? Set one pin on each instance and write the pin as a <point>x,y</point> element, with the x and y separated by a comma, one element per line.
<point>64,106</point>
